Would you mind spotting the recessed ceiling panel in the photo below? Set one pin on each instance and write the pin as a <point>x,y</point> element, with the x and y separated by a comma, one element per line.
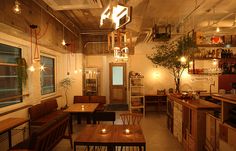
<point>73,4</point>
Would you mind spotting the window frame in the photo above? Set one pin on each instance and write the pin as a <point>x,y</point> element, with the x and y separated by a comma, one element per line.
<point>55,75</point>
<point>22,86</point>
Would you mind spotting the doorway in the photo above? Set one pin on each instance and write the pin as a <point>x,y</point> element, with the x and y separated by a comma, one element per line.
<point>117,84</point>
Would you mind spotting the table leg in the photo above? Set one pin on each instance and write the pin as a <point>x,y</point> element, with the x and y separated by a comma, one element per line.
<point>71,124</point>
<point>29,128</point>
<point>74,147</point>
<point>9,139</point>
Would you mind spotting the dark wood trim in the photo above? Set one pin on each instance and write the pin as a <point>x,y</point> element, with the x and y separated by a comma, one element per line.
<point>8,64</point>
<point>13,97</point>
<point>50,98</point>
<point>14,110</point>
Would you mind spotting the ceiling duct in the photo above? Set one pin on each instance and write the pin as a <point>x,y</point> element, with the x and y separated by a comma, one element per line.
<point>73,4</point>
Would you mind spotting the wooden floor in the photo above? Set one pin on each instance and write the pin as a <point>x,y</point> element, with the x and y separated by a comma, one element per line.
<point>158,138</point>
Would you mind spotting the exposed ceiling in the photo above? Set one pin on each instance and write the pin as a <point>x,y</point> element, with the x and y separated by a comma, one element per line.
<point>183,15</point>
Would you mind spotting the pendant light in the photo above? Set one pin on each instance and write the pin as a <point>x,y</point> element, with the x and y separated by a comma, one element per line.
<point>16,8</point>
<point>234,23</point>
<point>76,71</point>
<point>217,29</point>
<point>63,40</point>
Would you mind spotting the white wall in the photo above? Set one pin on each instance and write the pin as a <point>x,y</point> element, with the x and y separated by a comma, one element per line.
<point>154,78</point>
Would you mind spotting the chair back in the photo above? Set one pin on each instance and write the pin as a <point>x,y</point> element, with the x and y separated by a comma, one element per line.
<point>104,116</point>
<point>131,118</point>
<point>81,99</point>
<point>98,99</point>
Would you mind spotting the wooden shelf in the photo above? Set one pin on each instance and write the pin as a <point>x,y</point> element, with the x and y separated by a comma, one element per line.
<point>136,102</point>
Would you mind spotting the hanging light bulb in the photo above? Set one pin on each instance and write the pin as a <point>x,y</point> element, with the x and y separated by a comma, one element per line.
<point>16,8</point>
<point>63,42</point>
<point>234,23</point>
<point>32,68</point>
<point>217,29</point>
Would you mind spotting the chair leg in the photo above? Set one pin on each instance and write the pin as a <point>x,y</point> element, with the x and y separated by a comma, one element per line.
<point>78,119</point>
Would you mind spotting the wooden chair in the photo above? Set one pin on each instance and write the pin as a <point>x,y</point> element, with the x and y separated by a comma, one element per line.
<point>81,99</point>
<point>131,118</point>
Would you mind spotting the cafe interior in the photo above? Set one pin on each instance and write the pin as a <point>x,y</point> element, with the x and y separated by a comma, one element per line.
<point>118,75</point>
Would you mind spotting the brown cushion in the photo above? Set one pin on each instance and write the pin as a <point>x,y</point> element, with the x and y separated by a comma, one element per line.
<point>98,99</point>
<point>36,111</point>
<point>81,99</point>
<point>50,106</point>
<point>48,117</point>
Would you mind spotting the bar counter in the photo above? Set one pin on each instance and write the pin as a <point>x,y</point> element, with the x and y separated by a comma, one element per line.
<point>230,98</point>
<point>194,104</point>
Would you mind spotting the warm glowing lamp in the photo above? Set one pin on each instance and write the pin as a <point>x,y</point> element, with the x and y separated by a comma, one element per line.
<point>16,8</point>
<point>183,59</point>
<point>32,68</point>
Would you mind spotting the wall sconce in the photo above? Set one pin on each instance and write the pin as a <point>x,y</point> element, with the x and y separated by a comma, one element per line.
<point>16,8</point>
<point>214,62</point>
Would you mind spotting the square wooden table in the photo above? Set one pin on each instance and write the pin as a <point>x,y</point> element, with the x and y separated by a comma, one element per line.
<point>114,137</point>
<point>8,124</point>
<point>80,108</point>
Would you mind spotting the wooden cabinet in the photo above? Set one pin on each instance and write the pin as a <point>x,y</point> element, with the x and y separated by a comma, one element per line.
<point>177,121</point>
<point>212,132</point>
<point>189,118</point>
<point>221,132</point>
<point>169,113</point>
<point>136,93</point>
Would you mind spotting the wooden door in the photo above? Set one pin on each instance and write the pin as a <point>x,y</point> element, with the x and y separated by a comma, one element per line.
<point>118,88</point>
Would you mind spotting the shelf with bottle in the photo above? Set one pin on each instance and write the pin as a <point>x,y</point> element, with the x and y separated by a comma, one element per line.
<point>205,71</point>
<point>214,53</point>
<point>228,67</point>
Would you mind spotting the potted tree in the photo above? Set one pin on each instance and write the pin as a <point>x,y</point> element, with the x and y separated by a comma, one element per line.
<point>66,84</point>
<point>171,55</point>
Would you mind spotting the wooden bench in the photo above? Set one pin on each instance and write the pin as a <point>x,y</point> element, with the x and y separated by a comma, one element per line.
<point>46,137</point>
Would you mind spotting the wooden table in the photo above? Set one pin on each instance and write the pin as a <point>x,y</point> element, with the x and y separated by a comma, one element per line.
<point>8,124</point>
<point>115,136</point>
<point>80,108</point>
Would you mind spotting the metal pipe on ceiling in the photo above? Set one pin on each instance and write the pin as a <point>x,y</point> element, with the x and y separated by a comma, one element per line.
<point>47,11</point>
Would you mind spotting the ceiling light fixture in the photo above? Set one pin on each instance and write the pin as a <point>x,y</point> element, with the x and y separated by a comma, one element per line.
<point>119,14</point>
<point>217,29</point>
<point>16,7</point>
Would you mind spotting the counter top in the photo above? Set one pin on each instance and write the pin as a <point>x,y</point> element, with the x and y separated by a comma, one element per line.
<point>194,104</point>
<point>230,98</point>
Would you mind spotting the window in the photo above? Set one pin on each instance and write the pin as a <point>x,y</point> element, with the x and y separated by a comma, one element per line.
<point>47,75</point>
<point>10,88</point>
<point>117,74</point>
